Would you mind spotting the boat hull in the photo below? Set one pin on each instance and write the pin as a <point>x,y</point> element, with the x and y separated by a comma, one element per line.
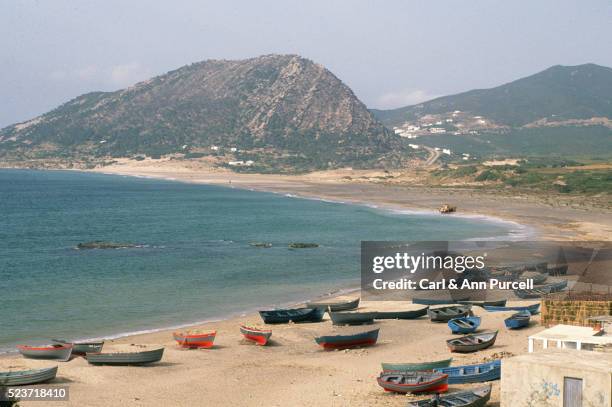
<point>60,352</point>
<point>410,314</point>
<point>258,336</point>
<point>131,358</point>
<point>81,348</point>
<point>335,306</point>
<point>195,340</point>
<point>368,338</point>
<point>292,315</point>
<point>445,314</point>
<point>410,367</point>
<point>24,377</point>
<point>434,382</point>
<point>495,303</point>
<point>533,309</point>
<point>468,398</point>
<point>483,372</point>
<point>472,343</point>
<point>464,325</point>
<point>352,318</point>
<point>518,320</point>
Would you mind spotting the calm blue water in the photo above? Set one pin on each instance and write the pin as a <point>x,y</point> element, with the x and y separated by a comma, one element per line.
<point>196,263</point>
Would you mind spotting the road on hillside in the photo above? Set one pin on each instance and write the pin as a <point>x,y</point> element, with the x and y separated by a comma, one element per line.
<point>433,155</point>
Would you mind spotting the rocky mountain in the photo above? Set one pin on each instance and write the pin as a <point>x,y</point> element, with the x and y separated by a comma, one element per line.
<point>280,108</point>
<point>559,93</point>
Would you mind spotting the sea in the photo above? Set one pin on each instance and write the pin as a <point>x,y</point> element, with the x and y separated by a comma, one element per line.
<point>192,260</point>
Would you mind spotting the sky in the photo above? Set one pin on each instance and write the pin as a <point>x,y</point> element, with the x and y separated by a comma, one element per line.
<point>392,53</point>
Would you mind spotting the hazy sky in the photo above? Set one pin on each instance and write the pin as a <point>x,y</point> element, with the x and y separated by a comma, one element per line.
<point>390,52</point>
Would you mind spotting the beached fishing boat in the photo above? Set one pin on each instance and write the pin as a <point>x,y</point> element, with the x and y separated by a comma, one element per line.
<point>125,358</point>
<point>472,343</point>
<point>259,336</point>
<point>23,377</point>
<point>335,305</point>
<point>495,303</point>
<point>478,397</point>
<point>56,351</point>
<point>367,338</point>
<point>413,382</point>
<point>195,339</point>
<point>283,316</point>
<point>481,372</point>
<point>352,318</point>
<point>464,325</point>
<point>445,314</point>
<point>410,367</point>
<point>406,314</point>
<point>81,348</point>
<point>533,309</point>
<point>518,320</point>
<point>429,301</point>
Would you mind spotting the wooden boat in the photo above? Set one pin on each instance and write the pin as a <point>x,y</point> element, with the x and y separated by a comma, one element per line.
<point>482,372</point>
<point>428,301</point>
<point>195,339</point>
<point>352,318</point>
<point>56,351</point>
<point>533,309</point>
<point>259,336</point>
<point>335,305</point>
<point>464,325</point>
<point>367,338</point>
<point>23,377</point>
<point>410,367</point>
<point>125,358</point>
<point>81,348</point>
<point>446,208</point>
<point>445,314</point>
<point>518,320</point>
<point>478,397</point>
<point>283,316</point>
<point>472,343</point>
<point>408,314</point>
<point>495,303</point>
<point>413,382</point>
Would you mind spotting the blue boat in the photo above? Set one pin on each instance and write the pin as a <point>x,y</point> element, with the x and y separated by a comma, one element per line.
<point>283,316</point>
<point>464,325</point>
<point>533,309</point>
<point>482,372</point>
<point>518,320</point>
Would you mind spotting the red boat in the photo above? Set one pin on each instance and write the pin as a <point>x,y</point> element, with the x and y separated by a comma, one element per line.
<point>413,382</point>
<point>195,339</point>
<point>259,336</point>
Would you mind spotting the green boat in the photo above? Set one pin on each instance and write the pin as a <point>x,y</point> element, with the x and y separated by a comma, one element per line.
<point>411,367</point>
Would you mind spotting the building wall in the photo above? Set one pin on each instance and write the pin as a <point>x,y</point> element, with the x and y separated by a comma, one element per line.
<point>573,312</point>
<point>529,383</point>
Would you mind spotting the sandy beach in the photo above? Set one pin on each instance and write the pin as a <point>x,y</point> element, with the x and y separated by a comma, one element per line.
<point>237,372</point>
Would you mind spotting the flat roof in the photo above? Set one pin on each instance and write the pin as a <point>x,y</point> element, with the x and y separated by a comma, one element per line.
<point>572,333</point>
<point>567,358</point>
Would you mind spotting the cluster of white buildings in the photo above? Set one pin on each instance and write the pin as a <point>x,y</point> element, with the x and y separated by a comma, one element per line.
<point>241,163</point>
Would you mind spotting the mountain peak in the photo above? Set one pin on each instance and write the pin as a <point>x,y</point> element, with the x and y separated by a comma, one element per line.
<point>283,105</point>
